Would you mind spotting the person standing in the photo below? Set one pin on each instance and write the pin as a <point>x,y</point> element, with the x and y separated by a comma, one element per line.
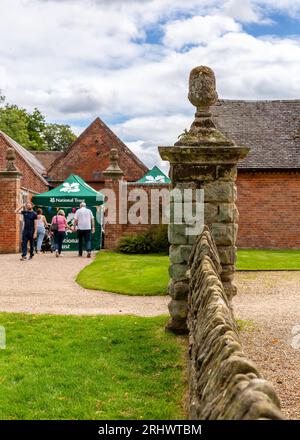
<point>41,229</point>
<point>58,227</point>
<point>29,233</point>
<point>85,224</point>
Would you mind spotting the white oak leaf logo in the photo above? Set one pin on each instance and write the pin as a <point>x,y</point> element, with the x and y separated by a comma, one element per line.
<point>70,188</point>
<point>156,179</point>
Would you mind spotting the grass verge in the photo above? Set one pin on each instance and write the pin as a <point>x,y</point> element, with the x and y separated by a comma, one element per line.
<point>102,367</point>
<point>127,274</point>
<point>265,259</point>
<point>148,274</point>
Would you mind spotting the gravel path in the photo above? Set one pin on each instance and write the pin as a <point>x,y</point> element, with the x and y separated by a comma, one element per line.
<point>47,285</point>
<point>271,300</point>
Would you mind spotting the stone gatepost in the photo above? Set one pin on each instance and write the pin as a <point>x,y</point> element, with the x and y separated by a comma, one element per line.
<point>203,158</point>
<point>9,196</point>
<point>113,175</point>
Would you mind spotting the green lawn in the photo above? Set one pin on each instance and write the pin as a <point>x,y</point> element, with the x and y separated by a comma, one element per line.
<point>254,259</point>
<point>127,274</point>
<point>148,274</point>
<point>104,367</point>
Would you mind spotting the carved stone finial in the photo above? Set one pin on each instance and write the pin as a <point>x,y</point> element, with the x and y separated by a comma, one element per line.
<point>114,157</point>
<point>203,94</point>
<point>202,87</point>
<point>10,158</point>
<point>203,158</point>
<point>113,171</point>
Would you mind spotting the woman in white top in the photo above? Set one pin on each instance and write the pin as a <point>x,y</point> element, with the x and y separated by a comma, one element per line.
<point>41,229</point>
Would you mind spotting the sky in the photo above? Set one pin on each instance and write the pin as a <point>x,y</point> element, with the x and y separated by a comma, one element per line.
<point>128,61</point>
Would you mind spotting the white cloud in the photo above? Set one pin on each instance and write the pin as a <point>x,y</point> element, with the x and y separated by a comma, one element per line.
<point>150,132</point>
<point>198,30</point>
<point>148,154</point>
<point>244,11</point>
<point>289,7</point>
<point>159,130</point>
<point>82,58</point>
<point>256,11</point>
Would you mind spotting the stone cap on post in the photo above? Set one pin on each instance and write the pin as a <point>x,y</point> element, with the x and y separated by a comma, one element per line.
<point>11,170</point>
<point>113,171</point>
<point>203,142</point>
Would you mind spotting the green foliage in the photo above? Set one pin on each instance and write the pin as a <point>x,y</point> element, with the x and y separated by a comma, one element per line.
<point>151,241</point>
<point>31,130</point>
<point>160,239</point>
<point>243,325</point>
<point>127,274</point>
<point>135,244</point>
<point>14,122</point>
<point>36,126</point>
<point>90,367</point>
<point>58,137</point>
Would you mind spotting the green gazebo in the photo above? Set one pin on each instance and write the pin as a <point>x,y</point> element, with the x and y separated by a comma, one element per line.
<point>155,175</point>
<point>71,193</point>
<point>68,197</point>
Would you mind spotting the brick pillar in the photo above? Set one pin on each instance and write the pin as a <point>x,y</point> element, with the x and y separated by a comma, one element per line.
<point>113,175</point>
<point>9,196</point>
<point>203,158</point>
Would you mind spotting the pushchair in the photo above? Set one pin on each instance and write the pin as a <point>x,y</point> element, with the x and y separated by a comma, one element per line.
<point>47,245</point>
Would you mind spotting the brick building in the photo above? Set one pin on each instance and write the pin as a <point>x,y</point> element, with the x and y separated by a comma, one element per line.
<point>268,179</point>
<point>88,157</point>
<point>16,188</point>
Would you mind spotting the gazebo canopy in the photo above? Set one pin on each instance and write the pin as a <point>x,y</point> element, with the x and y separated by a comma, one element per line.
<point>71,193</point>
<point>155,175</point>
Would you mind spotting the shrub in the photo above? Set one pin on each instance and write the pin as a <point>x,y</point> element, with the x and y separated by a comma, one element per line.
<point>135,244</point>
<point>155,240</point>
<point>160,239</point>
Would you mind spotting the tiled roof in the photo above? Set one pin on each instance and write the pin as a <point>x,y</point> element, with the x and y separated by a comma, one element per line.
<point>28,157</point>
<point>270,128</point>
<point>46,158</point>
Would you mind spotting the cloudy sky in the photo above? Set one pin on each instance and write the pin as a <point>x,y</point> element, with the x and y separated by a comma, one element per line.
<point>128,61</point>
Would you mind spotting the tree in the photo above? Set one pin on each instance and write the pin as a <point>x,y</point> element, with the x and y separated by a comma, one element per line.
<point>58,137</point>
<point>14,122</point>
<point>36,129</point>
<point>31,129</point>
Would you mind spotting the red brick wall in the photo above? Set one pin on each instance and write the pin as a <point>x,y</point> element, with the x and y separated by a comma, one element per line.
<point>9,220</point>
<point>113,232</point>
<point>131,229</point>
<point>29,179</point>
<point>269,207</point>
<point>89,157</point>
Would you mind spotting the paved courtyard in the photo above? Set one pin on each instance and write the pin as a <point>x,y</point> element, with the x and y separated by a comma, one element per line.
<point>47,285</point>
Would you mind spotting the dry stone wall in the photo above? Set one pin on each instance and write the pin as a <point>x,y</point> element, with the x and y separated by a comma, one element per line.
<point>224,383</point>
